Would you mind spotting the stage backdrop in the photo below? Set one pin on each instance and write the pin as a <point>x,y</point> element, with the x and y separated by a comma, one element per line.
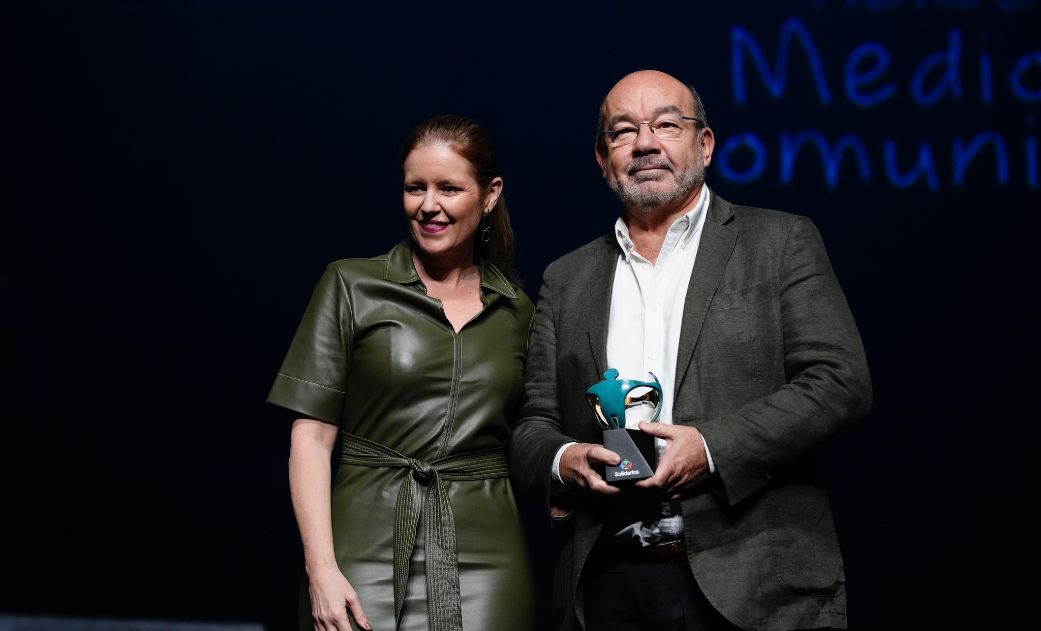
<point>176,175</point>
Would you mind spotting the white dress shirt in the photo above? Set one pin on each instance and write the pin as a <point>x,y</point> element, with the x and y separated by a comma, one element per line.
<point>643,333</point>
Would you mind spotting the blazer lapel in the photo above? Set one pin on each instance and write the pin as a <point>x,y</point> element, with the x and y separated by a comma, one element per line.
<point>719,235</point>
<point>596,307</point>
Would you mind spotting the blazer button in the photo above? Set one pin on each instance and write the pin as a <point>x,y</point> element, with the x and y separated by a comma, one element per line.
<point>768,476</point>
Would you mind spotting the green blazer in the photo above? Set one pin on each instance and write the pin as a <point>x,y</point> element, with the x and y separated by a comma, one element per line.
<point>770,364</point>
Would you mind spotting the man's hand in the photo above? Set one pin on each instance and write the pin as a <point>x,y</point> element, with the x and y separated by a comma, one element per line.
<point>684,464</point>
<point>581,464</point>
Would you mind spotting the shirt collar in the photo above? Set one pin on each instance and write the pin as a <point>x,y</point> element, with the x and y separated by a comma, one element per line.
<point>400,269</point>
<point>686,225</point>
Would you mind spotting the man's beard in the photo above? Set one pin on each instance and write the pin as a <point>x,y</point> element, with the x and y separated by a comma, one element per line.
<point>633,195</point>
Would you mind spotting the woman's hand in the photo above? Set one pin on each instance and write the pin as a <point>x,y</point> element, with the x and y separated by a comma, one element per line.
<point>332,597</point>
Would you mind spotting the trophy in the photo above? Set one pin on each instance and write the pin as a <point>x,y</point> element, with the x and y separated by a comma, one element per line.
<point>611,399</point>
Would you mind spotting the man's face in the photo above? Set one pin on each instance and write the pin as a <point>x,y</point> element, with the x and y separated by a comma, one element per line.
<point>653,172</point>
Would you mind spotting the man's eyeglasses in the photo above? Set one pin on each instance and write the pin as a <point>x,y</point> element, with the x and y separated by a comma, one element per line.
<point>669,128</point>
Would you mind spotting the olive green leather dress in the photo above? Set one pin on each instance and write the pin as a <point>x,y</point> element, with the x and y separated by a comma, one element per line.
<point>424,413</point>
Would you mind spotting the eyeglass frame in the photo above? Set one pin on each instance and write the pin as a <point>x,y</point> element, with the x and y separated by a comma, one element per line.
<point>697,123</point>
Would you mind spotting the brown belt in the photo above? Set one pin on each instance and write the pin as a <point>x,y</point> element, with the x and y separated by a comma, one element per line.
<point>666,551</point>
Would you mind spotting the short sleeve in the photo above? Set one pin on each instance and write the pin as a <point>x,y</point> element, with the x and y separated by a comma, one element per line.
<point>313,377</point>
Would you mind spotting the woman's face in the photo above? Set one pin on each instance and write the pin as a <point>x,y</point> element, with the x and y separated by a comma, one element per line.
<point>443,202</point>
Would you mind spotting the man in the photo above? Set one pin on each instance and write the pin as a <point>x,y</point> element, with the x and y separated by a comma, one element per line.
<point>737,312</point>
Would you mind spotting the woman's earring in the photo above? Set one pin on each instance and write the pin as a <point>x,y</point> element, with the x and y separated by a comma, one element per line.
<point>486,234</point>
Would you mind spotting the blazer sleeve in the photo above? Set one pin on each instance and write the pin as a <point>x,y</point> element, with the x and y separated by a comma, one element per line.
<point>313,379</point>
<point>828,385</point>
<point>538,434</point>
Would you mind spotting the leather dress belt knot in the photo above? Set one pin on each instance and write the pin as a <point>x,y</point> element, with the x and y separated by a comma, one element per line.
<point>442,571</point>
<point>421,471</point>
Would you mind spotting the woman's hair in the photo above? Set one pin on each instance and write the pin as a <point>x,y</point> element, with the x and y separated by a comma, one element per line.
<point>471,141</point>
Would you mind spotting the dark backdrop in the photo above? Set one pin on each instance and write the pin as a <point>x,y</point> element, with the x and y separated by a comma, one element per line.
<point>176,175</point>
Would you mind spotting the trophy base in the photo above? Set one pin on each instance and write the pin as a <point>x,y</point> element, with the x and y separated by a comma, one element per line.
<point>637,451</point>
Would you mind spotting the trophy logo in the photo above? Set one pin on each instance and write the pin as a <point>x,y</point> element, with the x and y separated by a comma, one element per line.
<point>615,400</point>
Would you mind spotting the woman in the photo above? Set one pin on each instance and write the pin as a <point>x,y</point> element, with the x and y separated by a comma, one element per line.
<point>414,361</point>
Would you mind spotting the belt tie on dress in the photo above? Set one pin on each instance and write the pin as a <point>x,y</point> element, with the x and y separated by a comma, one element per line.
<point>442,570</point>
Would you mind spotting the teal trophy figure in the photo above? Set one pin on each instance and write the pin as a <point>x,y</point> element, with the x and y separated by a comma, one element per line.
<point>610,399</point>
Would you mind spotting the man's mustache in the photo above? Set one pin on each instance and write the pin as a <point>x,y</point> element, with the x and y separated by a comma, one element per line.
<point>649,162</point>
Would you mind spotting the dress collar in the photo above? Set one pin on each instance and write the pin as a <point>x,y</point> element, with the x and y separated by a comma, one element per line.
<point>400,269</point>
